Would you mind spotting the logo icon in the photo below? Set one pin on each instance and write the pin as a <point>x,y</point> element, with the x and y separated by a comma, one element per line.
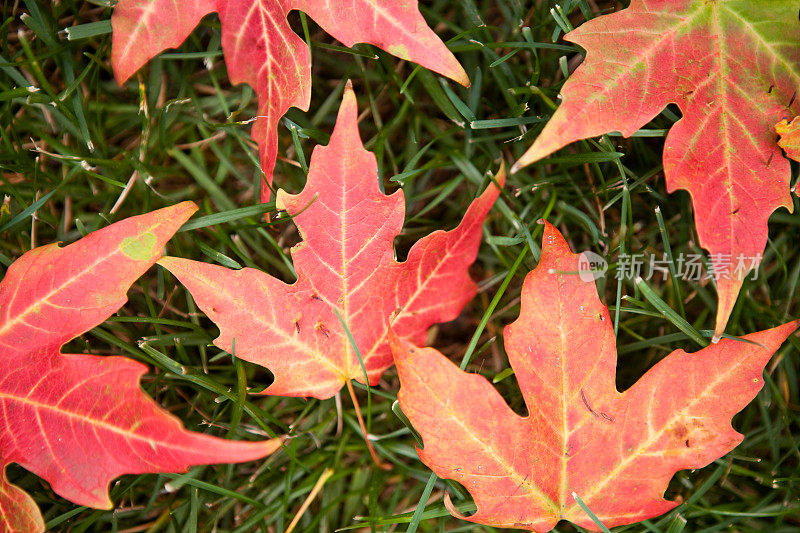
<point>591,267</point>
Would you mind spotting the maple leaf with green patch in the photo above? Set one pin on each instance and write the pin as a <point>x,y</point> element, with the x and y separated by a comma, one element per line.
<point>615,451</point>
<point>79,421</point>
<point>733,68</point>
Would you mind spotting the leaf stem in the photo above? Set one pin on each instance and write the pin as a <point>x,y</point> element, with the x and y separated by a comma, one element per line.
<point>372,452</point>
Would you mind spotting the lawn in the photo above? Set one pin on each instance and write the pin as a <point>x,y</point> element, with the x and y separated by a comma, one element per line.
<point>78,152</point>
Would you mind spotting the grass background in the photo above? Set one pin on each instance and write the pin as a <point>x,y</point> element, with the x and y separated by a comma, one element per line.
<point>71,139</point>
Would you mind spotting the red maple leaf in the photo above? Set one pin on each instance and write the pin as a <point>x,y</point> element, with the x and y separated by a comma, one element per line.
<point>262,50</point>
<point>615,451</point>
<point>79,421</point>
<point>345,263</point>
<point>733,69</point>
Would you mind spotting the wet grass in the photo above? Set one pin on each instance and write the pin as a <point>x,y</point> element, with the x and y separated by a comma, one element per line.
<point>78,152</point>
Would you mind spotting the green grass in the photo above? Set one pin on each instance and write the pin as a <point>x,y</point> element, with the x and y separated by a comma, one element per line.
<point>71,139</point>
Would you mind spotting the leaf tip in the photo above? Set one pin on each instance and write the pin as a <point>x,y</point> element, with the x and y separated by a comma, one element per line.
<point>273,445</point>
<point>121,75</point>
<point>281,200</point>
<point>394,340</point>
<point>348,98</point>
<point>551,235</point>
<point>462,78</point>
<point>448,504</point>
<point>346,126</point>
<point>529,157</point>
<point>184,210</point>
<point>166,261</point>
<point>500,176</point>
<point>727,293</point>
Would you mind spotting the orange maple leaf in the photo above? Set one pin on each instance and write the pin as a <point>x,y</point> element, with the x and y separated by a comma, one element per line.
<point>615,451</point>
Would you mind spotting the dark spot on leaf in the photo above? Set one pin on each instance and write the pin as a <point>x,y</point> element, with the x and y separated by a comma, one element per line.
<point>680,431</point>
